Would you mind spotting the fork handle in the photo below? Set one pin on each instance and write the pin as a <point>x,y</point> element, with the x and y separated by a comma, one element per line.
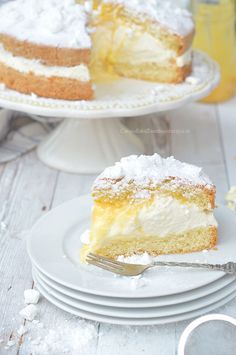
<point>229,268</point>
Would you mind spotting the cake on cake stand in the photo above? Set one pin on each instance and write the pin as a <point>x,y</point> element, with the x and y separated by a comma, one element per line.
<point>91,136</point>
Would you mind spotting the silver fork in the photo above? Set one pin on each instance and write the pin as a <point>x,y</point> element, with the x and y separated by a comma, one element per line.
<point>125,269</point>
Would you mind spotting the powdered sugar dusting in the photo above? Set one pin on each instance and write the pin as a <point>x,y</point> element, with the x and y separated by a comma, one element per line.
<point>50,22</point>
<point>167,14</point>
<point>147,171</point>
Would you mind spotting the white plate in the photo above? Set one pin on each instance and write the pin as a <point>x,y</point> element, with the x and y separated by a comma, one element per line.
<point>124,97</point>
<point>133,321</point>
<point>57,234</point>
<point>136,303</point>
<point>153,312</point>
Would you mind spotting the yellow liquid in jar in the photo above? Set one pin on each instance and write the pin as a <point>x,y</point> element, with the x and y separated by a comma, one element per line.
<point>215,35</point>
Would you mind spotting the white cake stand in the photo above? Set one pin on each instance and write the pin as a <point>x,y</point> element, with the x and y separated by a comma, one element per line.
<point>88,139</point>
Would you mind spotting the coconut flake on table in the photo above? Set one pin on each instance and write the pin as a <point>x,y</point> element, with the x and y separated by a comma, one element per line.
<point>67,338</point>
<point>48,22</point>
<point>145,171</point>
<point>172,17</point>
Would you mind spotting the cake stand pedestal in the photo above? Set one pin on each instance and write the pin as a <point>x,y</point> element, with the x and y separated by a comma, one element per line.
<point>91,137</point>
<point>88,146</point>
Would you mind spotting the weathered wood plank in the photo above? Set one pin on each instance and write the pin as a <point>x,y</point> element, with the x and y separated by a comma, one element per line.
<point>67,186</point>
<point>26,187</point>
<point>149,340</point>
<point>199,134</point>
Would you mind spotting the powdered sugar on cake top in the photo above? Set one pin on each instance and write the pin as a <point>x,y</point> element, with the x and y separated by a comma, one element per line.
<point>55,23</point>
<point>147,171</point>
<point>167,14</point>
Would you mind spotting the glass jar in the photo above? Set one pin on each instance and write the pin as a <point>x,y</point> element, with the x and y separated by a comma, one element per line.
<point>215,35</point>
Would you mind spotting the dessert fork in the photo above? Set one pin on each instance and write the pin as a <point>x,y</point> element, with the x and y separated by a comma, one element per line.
<point>125,269</point>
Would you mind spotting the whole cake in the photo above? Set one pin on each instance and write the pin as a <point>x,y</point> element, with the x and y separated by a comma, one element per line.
<point>154,205</point>
<point>52,47</point>
<point>45,48</point>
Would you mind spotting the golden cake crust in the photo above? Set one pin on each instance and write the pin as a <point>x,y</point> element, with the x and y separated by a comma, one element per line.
<point>169,74</point>
<point>53,87</point>
<point>166,72</point>
<point>191,241</point>
<point>203,196</point>
<point>48,55</point>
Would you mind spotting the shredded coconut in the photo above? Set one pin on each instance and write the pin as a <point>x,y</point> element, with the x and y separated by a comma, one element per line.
<point>147,171</point>
<point>138,282</point>
<point>175,19</point>
<point>142,259</point>
<point>3,227</point>
<point>231,198</point>
<point>49,22</point>
<point>66,339</point>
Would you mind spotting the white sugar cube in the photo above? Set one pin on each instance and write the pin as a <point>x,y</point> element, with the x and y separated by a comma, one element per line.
<point>29,312</point>
<point>31,296</point>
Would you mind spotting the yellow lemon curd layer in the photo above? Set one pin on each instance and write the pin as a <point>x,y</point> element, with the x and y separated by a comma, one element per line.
<point>133,48</point>
<point>122,225</point>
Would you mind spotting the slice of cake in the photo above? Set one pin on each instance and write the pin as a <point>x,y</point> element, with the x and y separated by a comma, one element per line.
<point>148,40</point>
<point>154,205</point>
<point>45,48</point>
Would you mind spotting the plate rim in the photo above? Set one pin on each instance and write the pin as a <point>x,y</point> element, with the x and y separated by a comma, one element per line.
<point>125,313</point>
<point>140,322</point>
<point>62,108</point>
<point>134,303</point>
<point>217,276</point>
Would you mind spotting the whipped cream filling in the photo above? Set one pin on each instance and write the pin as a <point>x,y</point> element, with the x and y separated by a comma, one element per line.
<point>139,48</point>
<point>23,65</point>
<point>184,59</point>
<point>164,216</point>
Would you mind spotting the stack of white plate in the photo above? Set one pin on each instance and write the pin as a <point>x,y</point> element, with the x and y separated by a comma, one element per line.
<point>167,294</point>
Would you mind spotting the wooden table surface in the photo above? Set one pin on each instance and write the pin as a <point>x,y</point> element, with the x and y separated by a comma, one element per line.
<point>200,134</point>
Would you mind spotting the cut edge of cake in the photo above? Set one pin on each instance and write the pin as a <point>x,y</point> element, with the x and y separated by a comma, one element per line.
<point>142,41</point>
<point>154,205</point>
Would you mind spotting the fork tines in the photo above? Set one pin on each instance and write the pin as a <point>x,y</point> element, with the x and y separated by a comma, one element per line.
<point>106,264</point>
